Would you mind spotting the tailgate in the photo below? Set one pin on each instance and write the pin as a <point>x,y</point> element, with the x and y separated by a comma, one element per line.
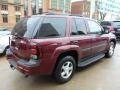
<point>20,47</point>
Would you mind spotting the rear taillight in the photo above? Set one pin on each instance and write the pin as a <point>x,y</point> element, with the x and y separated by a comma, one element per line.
<point>23,46</point>
<point>34,53</point>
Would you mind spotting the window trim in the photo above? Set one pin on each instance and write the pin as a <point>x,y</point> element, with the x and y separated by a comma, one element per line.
<point>4,7</point>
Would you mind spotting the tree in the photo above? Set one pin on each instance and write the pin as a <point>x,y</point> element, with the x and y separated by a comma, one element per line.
<point>101,14</point>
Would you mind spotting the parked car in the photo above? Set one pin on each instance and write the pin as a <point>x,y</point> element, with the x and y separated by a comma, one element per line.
<point>57,45</point>
<point>3,29</point>
<point>2,33</point>
<point>112,26</point>
<point>4,41</point>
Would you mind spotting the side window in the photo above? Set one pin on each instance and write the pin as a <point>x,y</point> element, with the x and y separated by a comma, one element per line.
<point>52,27</point>
<point>94,27</point>
<point>78,27</point>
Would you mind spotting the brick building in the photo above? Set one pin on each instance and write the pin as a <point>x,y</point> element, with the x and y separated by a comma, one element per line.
<point>60,6</point>
<point>83,8</point>
<point>12,10</point>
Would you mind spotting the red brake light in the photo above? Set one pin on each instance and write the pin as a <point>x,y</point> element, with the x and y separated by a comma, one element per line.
<point>33,48</point>
<point>33,51</point>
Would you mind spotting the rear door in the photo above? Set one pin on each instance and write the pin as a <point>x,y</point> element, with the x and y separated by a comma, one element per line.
<point>80,37</point>
<point>99,40</point>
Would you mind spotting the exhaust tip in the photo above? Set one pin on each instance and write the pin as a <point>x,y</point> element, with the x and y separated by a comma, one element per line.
<point>12,67</point>
<point>26,76</point>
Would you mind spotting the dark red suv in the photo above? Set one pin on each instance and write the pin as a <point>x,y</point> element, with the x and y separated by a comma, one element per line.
<point>56,45</point>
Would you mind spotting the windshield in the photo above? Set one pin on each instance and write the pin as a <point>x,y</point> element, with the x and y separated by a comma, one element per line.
<point>116,23</point>
<point>25,27</point>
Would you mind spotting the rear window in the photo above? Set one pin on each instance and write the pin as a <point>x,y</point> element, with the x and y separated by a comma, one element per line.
<point>25,27</point>
<point>116,23</point>
<point>52,27</point>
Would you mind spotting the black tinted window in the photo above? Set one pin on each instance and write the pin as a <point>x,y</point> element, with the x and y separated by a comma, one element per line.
<point>78,27</point>
<point>52,27</point>
<point>25,27</point>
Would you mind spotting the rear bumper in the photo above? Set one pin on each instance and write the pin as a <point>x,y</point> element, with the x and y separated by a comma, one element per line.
<point>26,67</point>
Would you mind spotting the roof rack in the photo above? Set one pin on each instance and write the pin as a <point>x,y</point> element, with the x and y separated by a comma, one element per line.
<point>76,15</point>
<point>50,13</point>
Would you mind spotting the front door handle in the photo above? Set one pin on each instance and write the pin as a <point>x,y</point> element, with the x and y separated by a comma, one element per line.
<point>75,42</point>
<point>93,39</point>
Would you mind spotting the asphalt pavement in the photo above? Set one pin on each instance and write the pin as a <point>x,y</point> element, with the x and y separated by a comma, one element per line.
<point>102,75</point>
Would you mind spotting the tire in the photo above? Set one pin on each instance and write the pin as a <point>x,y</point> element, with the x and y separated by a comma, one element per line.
<point>65,69</point>
<point>110,51</point>
<point>4,53</point>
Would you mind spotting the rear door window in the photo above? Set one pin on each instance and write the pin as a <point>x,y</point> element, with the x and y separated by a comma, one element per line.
<point>78,27</point>
<point>52,27</point>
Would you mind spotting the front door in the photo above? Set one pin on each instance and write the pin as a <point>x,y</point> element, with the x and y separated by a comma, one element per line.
<point>80,37</point>
<point>99,41</point>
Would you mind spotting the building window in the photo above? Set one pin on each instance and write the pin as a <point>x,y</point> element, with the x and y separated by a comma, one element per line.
<point>33,6</point>
<point>67,5</point>
<point>5,18</point>
<point>61,5</point>
<point>17,1</point>
<point>17,8</point>
<point>17,18</point>
<point>4,7</point>
<point>54,4</point>
<point>26,7</point>
<point>40,6</point>
<point>4,1</point>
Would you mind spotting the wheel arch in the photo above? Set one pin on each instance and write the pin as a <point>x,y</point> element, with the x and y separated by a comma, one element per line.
<point>114,41</point>
<point>72,53</point>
